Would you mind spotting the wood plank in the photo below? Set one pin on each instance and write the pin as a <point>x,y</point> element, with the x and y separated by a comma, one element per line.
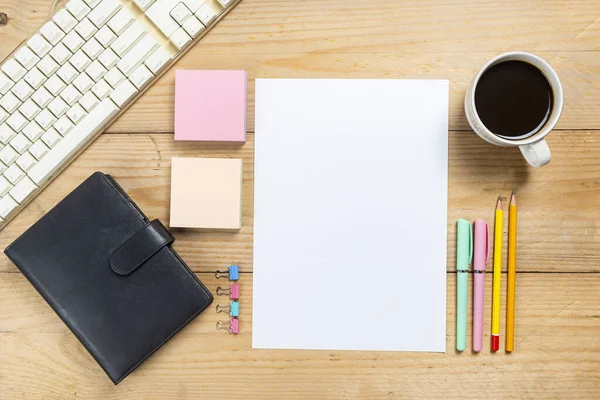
<point>375,39</point>
<point>557,331</point>
<point>577,71</point>
<point>559,204</point>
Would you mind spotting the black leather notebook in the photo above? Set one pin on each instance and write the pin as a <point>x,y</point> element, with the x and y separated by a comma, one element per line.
<point>110,274</point>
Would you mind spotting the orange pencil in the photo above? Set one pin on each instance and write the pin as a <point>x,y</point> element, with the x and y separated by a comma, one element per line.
<point>512,273</point>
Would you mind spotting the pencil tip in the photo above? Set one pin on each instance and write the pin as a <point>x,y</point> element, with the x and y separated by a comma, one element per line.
<point>499,203</point>
<point>513,199</point>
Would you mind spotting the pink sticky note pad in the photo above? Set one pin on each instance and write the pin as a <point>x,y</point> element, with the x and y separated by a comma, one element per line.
<point>211,105</point>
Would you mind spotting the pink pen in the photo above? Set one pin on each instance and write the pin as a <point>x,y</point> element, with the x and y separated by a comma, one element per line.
<point>481,246</point>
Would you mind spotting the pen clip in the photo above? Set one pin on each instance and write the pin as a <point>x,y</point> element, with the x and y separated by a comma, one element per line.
<point>470,243</point>
<point>487,243</point>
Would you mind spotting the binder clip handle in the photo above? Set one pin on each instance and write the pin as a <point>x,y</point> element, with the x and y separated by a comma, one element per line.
<point>233,273</point>
<point>233,326</point>
<point>233,308</point>
<point>233,291</point>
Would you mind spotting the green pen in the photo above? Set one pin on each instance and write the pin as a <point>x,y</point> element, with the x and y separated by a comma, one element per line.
<point>464,256</point>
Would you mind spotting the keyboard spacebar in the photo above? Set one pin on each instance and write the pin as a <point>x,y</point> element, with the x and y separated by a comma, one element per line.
<point>73,142</point>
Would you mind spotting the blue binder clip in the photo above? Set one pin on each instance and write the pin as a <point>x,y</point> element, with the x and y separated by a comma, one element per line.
<point>233,308</point>
<point>233,273</point>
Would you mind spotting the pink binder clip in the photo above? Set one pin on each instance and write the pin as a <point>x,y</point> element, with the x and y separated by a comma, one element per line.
<point>233,326</point>
<point>233,291</point>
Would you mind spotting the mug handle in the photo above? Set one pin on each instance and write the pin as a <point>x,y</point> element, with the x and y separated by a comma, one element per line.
<point>537,154</point>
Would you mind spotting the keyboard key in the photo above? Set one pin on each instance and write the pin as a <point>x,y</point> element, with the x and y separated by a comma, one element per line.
<point>102,89</point>
<point>137,55</point>
<point>55,85</point>
<point>58,107</point>
<point>39,150</point>
<point>180,13</point>
<point>10,102</point>
<point>123,93</point>
<point>159,14</point>
<point>180,39</point>
<point>158,60</point>
<point>22,90</point>
<point>96,71</point>
<point>51,138</point>
<point>73,142</point>
<point>48,66</point>
<point>2,169</point>
<point>26,161</point>
<point>193,5</point>
<point>8,155</point>
<point>42,97</point>
<point>83,82</point>
<point>105,36</point>
<point>206,14</point>
<point>23,190</point>
<point>5,83</point>
<point>5,185</point>
<point>20,143</point>
<point>7,206</point>
<point>6,134</point>
<point>17,121</point>
<point>14,174</point>
<point>45,119</point>
<point>114,77</point>
<point>89,101</point>
<point>76,113</point>
<point>121,21</point>
<point>64,20</point>
<point>13,69</point>
<point>33,131</point>
<point>86,29</point>
<point>193,27</point>
<point>35,78</point>
<point>67,73</point>
<point>70,95</point>
<point>108,58</point>
<point>3,115</point>
<point>103,12</point>
<point>60,53</point>
<point>92,3</point>
<point>141,76</point>
<point>128,39</point>
<point>26,57</point>
<point>78,9</point>
<point>39,45</point>
<point>80,61</point>
<point>64,124</point>
<point>29,109</point>
<point>144,4</point>
<point>92,48</point>
<point>52,33</point>
<point>73,41</point>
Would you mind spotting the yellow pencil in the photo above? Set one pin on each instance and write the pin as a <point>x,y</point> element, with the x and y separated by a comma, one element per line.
<point>512,273</point>
<point>497,275</point>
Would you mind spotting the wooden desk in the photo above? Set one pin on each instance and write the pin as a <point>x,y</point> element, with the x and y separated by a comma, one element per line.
<point>558,286</point>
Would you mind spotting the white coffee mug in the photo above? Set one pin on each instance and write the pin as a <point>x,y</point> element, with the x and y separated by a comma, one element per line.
<point>534,148</point>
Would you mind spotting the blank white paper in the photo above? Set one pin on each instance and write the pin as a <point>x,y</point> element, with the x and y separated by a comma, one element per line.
<point>350,214</point>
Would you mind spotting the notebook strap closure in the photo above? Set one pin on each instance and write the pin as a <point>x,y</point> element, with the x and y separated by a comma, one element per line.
<point>140,248</point>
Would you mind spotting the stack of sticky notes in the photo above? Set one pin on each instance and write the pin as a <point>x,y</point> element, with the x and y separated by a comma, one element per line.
<point>206,193</point>
<point>211,105</point>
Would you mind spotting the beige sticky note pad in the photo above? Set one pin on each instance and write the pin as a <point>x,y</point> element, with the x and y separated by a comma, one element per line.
<point>206,193</point>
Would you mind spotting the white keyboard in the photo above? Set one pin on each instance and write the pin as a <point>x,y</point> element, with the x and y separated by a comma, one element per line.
<point>74,77</point>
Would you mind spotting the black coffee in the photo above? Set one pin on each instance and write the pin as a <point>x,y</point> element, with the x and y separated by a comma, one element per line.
<point>513,99</point>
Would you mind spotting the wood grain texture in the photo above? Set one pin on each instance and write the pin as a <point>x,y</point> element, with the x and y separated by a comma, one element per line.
<point>203,363</point>
<point>558,325</point>
<point>559,204</point>
<point>376,39</point>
